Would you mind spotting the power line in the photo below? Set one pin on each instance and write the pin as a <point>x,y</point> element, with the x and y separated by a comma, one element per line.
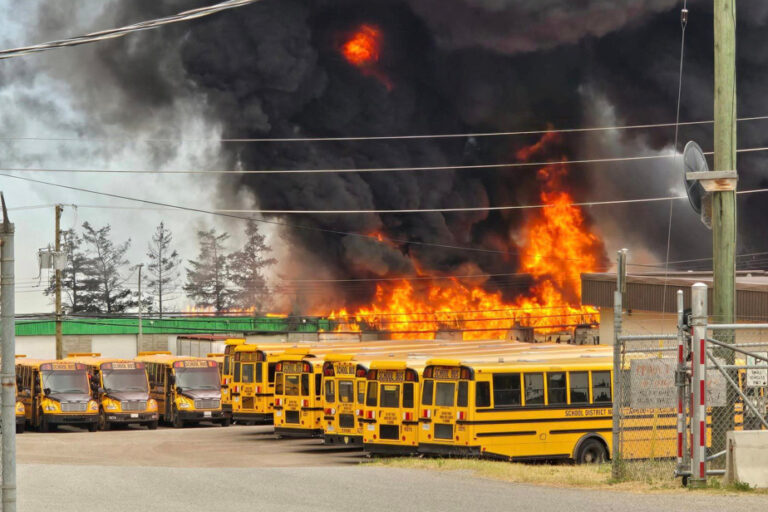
<point>376,137</point>
<point>504,165</point>
<point>122,31</point>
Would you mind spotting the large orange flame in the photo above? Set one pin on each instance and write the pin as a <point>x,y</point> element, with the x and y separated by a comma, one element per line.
<point>556,246</point>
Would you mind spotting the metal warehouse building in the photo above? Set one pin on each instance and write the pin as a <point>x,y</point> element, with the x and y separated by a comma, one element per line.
<point>650,301</point>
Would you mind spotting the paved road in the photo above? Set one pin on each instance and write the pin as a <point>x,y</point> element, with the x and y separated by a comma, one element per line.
<point>245,468</point>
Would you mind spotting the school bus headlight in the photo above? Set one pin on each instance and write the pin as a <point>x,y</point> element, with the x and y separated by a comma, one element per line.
<point>185,403</point>
<point>19,408</point>
<point>152,404</point>
<point>93,406</point>
<point>50,406</point>
<point>111,405</point>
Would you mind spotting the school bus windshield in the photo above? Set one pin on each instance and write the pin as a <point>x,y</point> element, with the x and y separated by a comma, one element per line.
<point>198,378</point>
<point>66,381</point>
<point>124,380</point>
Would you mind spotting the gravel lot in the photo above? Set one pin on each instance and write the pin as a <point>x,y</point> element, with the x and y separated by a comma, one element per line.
<point>239,468</point>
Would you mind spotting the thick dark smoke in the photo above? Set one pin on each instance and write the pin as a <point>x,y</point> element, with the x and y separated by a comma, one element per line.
<point>274,70</point>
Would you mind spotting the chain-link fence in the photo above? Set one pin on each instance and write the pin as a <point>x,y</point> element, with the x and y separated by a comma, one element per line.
<point>645,423</point>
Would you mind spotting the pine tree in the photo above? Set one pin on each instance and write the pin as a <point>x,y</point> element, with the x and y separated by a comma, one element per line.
<point>247,270</point>
<point>72,277</point>
<point>103,286</point>
<point>208,276</point>
<point>163,267</point>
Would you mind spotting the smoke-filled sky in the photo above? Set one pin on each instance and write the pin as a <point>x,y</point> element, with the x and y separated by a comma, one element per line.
<point>274,69</point>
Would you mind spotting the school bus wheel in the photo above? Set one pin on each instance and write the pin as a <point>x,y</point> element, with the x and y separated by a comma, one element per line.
<point>93,426</point>
<point>176,422</point>
<point>43,426</point>
<point>103,424</point>
<point>591,451</point>
<point>152,425</point>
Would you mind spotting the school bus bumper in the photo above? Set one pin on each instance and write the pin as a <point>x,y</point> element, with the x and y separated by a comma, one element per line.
<point>200,415</point>
<point>341,439</point>
<point>141,417</point>
<point>447,449</point>
<point>298,432</point>
<point>389,449</point>
<point>71,419</point>
<point>256,417</point>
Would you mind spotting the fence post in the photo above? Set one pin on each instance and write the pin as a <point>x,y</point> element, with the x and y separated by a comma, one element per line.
<point>698,385</point>
<point>680,382</point>
<point>616,462</point>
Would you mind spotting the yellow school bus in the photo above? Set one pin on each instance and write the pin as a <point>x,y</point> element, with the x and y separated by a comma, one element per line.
<point>298,395</point>
<point>122,390</point>
<point>390,417</point>
<point>253,385</point>
<point>187,389</point>
<point>56,393</point>
<point>21,419</point>
<point>344,381</point>
<point>226,374</point>
<point>518,410</point>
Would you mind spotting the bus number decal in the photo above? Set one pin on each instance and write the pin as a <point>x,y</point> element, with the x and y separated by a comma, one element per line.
<point>447,373</point>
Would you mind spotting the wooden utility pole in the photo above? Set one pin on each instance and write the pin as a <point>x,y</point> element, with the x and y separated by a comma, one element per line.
<point>59,337</point>
<point>724,202</point>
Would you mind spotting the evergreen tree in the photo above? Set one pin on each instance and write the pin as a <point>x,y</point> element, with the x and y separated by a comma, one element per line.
<point>72,277</point>
<point>163,267</point>
<point>104,288</point>
<point>208,276</point>
<point>247,270</point>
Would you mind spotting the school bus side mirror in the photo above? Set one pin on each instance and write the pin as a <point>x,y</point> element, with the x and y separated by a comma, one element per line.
<point>46,391</point>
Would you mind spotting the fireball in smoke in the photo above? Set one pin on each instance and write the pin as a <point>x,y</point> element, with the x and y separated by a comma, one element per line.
<point>362,49</point>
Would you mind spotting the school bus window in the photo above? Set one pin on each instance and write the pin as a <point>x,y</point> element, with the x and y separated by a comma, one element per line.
<point>462,397</point>
<point>236,372</point>
<point>534,389</point>
<point>361,392</point>
<point>579,387</point>
<point>271,373</point>
<point>373,390</point>
<point>330,396</point>
<point>279,384</point>
<point>506,389</point>
<point>426,393</point>
<point>259,372</point>
<point>556,388</point>
<point>408,395</point>
<point>291,385</point>
<point>304,384</point>
<point>346,391</point>
<point>247,370</point>
<point>483,394</point>
<point>601,386</point>
<point>318,383</point>
<point>390,395</point>
<point>226,364</point>
<point>444,394</point>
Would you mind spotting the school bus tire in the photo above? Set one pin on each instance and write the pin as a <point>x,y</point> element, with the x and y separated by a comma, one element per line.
<point>93,427</point>
<point>43,425</point>
<point>227,421</point>
<point>592,450</point>
<point>20,428</point>
<point>103,424</point>
<point>176,421</point>
<point>152,425</point>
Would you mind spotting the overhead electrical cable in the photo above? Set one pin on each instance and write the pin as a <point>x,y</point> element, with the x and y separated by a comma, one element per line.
<point>113,33</point>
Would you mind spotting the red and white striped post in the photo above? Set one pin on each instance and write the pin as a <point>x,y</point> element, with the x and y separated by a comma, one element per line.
<point>698,384</point>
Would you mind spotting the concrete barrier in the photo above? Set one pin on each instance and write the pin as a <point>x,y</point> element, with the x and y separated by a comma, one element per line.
<point>747,458</point>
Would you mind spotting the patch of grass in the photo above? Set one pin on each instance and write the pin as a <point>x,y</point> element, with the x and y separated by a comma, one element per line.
<point>656,476</point>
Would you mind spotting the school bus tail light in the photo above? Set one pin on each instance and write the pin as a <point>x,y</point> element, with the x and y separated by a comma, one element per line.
<point>369,415</point>
<point>427,413</point>
<point>278,401</point>
<point>305,403</point>
<point>461,415</point>
<point>407,416</point>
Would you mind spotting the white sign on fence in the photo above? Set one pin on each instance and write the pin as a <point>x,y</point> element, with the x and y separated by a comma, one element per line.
<point>652,384</point>
<point>757,378</point>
